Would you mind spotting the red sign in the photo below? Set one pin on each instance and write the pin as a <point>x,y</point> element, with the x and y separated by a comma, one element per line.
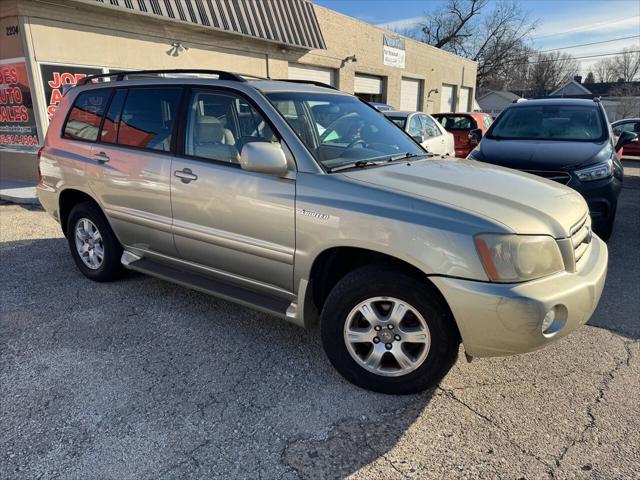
<point>17,125</point>
<point>56,77</point>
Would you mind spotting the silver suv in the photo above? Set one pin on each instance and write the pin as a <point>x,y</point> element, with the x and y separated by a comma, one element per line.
<point>308,204</point>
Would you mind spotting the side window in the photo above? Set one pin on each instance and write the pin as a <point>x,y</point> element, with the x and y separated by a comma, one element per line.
<point>487,122</point>
<point>415,127</point>
<point>85,116</point>
<point>623,127</point>
<point>296,116</point>
<point>430,128</point>
<point>220,124</point>
<point>109,133</point>
<point>147,118</point>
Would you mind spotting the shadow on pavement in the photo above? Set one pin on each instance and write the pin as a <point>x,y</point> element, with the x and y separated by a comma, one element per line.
<point>152,379</point>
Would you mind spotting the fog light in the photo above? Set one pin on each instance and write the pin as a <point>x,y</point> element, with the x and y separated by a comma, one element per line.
<point>548,319</point>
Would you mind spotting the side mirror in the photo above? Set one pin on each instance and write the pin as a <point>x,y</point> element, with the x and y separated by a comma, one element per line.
<point>264,157</point>
<point>624,138</point>
<point>418,138</point>
<point>475,135</point>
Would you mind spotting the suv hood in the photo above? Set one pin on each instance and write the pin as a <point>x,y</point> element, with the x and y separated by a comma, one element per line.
<point>541,154</point>
<point>523,203</point>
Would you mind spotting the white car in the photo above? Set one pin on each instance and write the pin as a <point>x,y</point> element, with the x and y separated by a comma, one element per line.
<point>426,130</point>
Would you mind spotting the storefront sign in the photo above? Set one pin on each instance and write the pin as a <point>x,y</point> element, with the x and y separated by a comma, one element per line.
<point>17,124</point>
<point>393,51</point>
<point>55,77</point>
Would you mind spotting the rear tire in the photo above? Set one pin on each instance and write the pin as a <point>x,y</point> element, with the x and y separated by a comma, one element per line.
<point>423,344</point>
<point>94,247</point>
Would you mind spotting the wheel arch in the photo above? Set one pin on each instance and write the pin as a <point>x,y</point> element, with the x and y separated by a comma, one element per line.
<point>332,264</point>
<point>69,198</point>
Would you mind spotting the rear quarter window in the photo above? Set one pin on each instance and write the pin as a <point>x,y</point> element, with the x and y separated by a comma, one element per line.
<point>83,121</point>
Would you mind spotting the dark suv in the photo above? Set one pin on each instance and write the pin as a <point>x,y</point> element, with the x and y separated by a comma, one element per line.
<point>565,140</point>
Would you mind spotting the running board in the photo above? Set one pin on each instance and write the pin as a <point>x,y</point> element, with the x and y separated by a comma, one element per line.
<point>259,301</point>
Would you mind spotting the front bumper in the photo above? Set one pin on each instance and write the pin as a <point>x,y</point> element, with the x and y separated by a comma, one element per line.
<point>505,319</point>
<point>602,198</point>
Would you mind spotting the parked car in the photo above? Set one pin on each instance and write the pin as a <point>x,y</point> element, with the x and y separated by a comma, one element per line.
<point>425,130</point>
<point>383,107</point>
<point>467,129</point>
<point>224,185</point>
<point>565,140</point>
<point>628,125</point>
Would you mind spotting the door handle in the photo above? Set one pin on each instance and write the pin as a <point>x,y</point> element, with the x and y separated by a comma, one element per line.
<point>185,175</point>
<point>101,157</point>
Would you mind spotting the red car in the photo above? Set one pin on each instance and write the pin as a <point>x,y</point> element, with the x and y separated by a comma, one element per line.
<point>628,125</point>
<point>461,125</point>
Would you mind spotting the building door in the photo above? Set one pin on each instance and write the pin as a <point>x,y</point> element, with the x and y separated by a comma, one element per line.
<point>410,93</point>
<point>448,98</point>
<point>464,104</point>
<point>369,88</point>
<point>298,71</point>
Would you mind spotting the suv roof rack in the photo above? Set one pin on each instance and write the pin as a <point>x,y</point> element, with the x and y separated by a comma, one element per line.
<point>222,74</point>
<point>308,82</point>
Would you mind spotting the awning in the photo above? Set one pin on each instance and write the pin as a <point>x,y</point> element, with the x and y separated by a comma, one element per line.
<point>289,22</point>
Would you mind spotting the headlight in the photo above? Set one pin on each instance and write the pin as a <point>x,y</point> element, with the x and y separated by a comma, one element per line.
<point>517,258</point>
<point>596,172</point>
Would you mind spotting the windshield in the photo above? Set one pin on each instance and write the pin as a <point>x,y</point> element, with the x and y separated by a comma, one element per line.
<point>456,122</point>
<point>400,121</point>
<point>340,130</point>
<point>549,122</point>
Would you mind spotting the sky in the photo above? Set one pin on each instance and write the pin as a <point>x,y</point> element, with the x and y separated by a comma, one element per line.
<point>561,23</point>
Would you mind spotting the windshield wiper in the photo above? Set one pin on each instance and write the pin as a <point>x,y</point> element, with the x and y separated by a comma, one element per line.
<point>405,156</point>
<point>378,161</point>
<point>357,164</point>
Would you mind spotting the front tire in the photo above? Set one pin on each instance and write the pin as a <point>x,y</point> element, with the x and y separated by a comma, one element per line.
<point>388,332</point>
<point>94,247</point>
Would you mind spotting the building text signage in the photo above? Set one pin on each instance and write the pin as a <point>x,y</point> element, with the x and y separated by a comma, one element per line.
<point>393,51</point>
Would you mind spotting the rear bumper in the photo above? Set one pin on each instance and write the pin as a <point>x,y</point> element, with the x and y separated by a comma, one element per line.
<point>48,197</point>
<point>505,319</point>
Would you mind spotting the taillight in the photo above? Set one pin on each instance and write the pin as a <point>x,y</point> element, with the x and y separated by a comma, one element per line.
<point>38,156</point>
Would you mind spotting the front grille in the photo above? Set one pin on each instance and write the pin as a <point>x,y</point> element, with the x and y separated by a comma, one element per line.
<point>581,237</point>
<point>556,176</point>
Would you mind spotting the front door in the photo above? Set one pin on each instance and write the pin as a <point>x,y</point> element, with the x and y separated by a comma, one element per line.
<point>239,224</point>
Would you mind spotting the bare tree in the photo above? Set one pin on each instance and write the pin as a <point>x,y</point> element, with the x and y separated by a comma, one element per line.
<point>605,70</point>
<point>493,38</point>
<point>627,64</point>
<point>550,70</point>
<point>453,26</point>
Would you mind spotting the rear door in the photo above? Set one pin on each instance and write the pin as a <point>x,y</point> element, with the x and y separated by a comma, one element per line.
<point>126,136</point>
<point>237,223</point>
<point>133,164</point>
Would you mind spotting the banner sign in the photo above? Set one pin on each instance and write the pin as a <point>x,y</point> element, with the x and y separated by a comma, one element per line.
<point>393,51</point>
<point>18,129</point>
<point>55,77</point>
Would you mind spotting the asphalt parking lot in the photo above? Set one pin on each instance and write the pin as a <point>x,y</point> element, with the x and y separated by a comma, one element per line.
<point>142,379</point>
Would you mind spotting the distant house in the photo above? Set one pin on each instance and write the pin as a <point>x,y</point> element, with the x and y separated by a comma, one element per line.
<point>495,101</point>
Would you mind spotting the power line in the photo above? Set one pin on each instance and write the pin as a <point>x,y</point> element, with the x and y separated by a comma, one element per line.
<point>587,44</point>
<point>573,58</point>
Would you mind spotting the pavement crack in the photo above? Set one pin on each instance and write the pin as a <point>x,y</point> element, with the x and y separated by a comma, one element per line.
<point>451,395</point>
<point>600,397</point>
